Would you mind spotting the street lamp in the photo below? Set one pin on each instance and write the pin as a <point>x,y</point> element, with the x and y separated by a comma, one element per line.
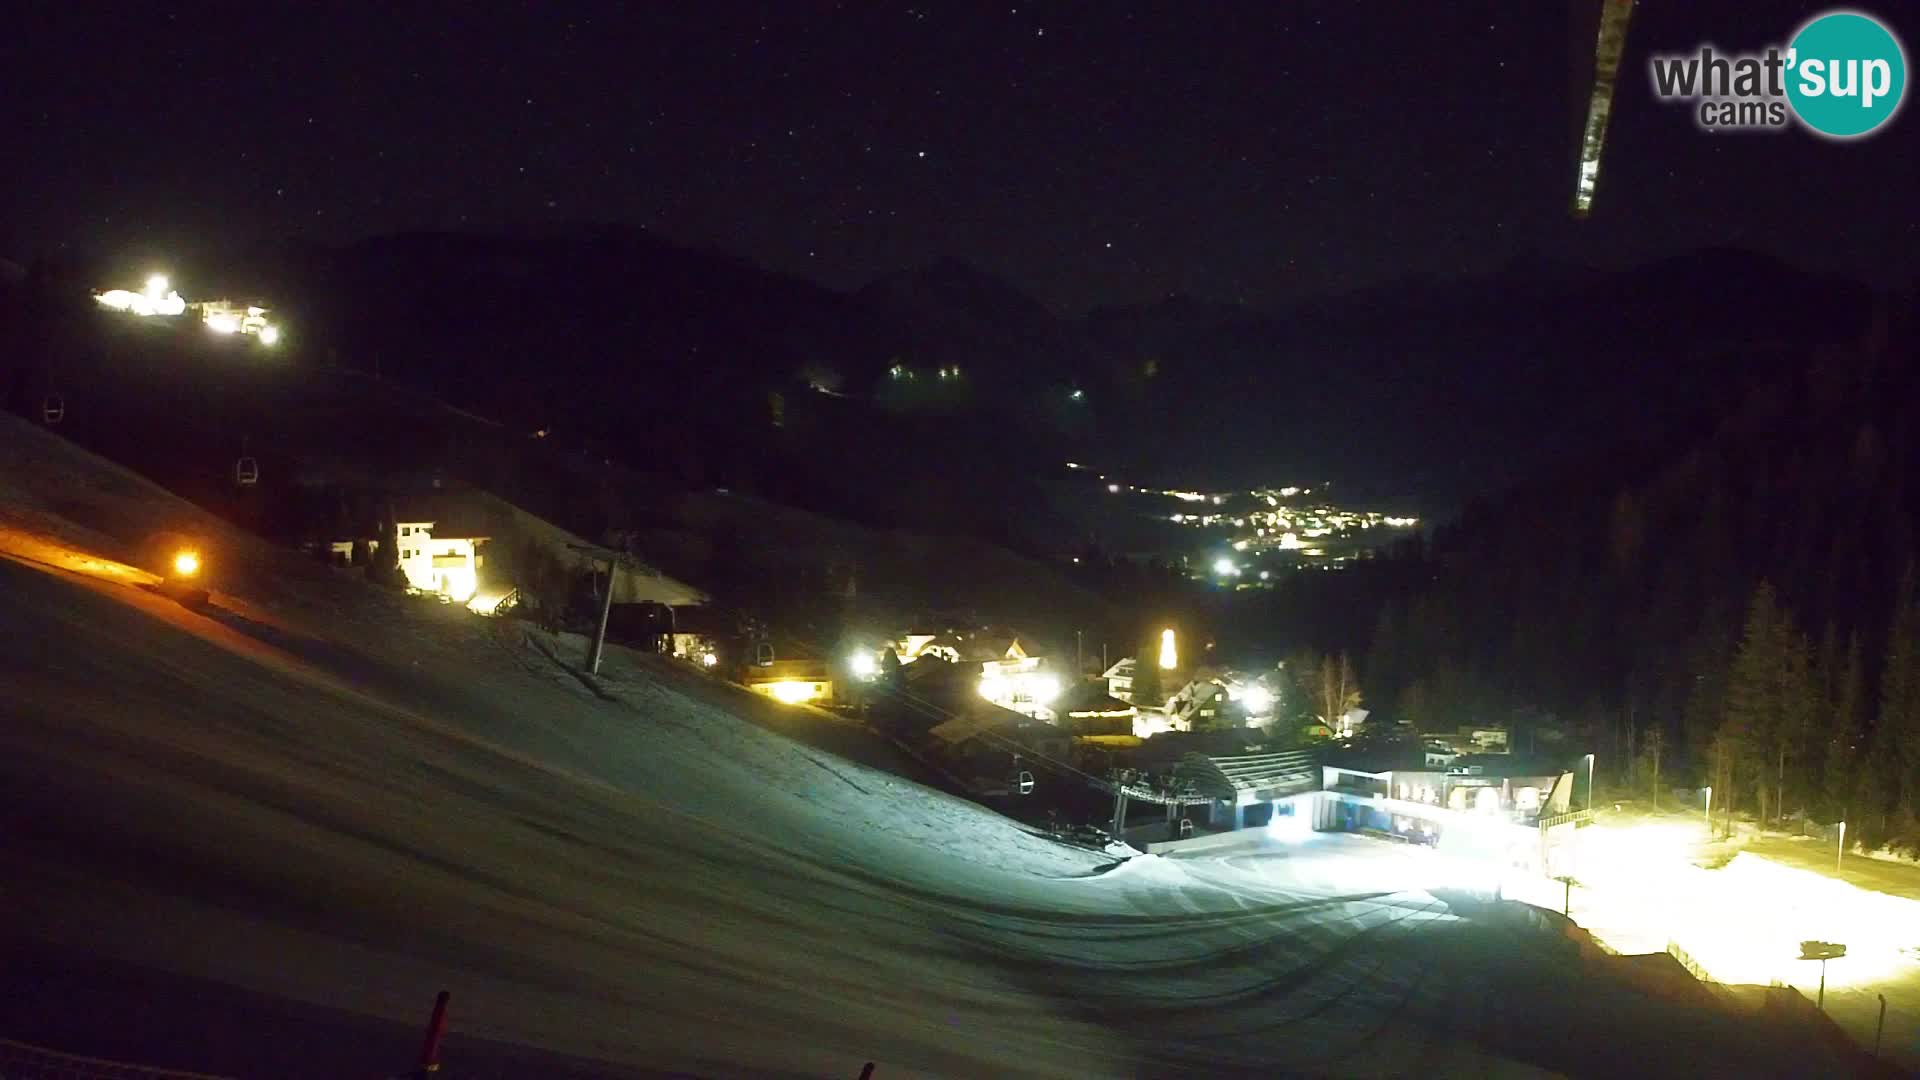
<point>1709,813</point>
<point>1822,951</point>
<point>1840,849</point>
<point>1589,782</point>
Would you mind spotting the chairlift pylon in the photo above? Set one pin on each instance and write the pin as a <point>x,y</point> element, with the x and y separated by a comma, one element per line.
<point>53,409</point>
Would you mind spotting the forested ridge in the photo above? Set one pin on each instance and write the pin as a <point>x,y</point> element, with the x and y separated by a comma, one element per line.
<point>1737,609</point>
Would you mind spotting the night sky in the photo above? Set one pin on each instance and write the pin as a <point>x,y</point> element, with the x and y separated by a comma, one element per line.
<point>1091,153</point>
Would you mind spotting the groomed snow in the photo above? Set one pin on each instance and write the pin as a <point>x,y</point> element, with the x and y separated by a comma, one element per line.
<point>328,796</point>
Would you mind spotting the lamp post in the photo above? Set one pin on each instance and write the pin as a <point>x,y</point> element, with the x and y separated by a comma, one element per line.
<point>1840,849</point>
<point>1822,951</point>
<point>1589,783</point>
<point>1709,813</point>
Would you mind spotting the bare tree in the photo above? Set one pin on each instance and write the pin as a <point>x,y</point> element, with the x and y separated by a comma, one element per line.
<point>1339,690</point>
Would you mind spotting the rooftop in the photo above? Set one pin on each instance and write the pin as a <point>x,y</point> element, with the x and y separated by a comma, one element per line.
<point>1227,777</point>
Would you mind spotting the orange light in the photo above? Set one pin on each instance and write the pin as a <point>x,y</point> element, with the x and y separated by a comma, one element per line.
<point>186,564</point>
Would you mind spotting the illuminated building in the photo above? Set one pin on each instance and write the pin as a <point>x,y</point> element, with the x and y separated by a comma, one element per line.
<point>157,298</point>
<point>1086,708</point>
<point>449,565</point>
<point>792,682</point>
<point>1119,679</point>
<point>1020,682</point>
<point>911,647</point>
<point>1489,808</point>
<point>227,317</point>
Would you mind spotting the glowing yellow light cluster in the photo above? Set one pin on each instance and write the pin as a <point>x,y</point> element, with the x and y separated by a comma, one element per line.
<point>220,316</point>
<point>1037,687</point>
<point>166,303</point>
<point>794,691</point>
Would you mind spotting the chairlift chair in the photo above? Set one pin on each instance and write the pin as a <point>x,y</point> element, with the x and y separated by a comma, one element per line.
<point>53,409</point>
<point>1023,783</point>
<point>763,654</point>
<point>246,471</point>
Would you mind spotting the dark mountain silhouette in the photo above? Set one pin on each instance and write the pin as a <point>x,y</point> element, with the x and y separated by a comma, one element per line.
<point>1450,388</point>
<point>931,393</point>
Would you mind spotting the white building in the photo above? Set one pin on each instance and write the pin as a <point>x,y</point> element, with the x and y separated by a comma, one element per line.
<point>227,317</point>
<point>1020,682</point>
<point>1120,680</point>
<point>446,565</point>
<point>914,646</point>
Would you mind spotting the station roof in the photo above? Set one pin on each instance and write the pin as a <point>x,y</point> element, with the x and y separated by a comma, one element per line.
<point>1284,773</point>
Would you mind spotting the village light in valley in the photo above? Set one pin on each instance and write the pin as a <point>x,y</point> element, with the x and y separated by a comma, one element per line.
<point>1257,699</point>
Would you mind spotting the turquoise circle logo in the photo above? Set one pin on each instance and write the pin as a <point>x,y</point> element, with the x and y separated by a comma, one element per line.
<point>1846,74</point>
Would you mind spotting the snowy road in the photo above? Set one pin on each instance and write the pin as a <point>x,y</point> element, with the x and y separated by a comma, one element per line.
<point>343,806</point>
